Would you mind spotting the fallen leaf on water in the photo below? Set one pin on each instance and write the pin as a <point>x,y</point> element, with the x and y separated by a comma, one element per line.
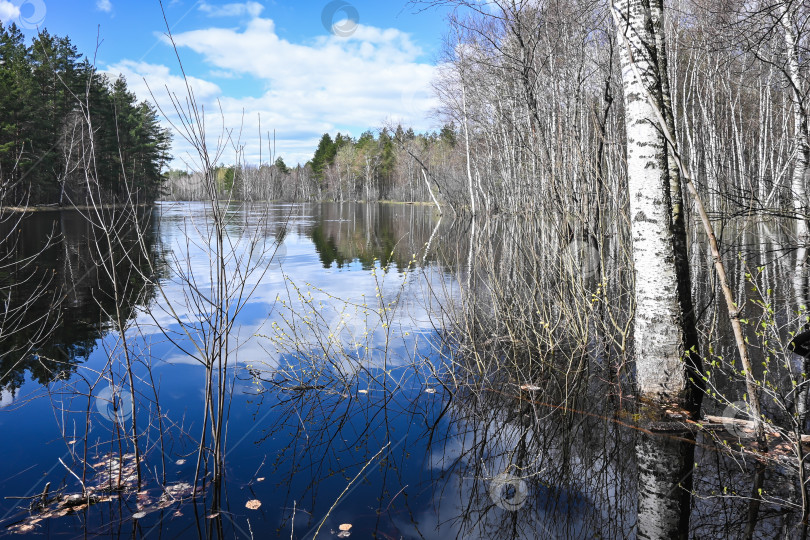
<point>261,479</point>
<point>344,534</point>
<point>345,527</point>
<point>138,515</point>
<point>430,390</point>
<point>529,387</point>
<point>212,516</point>
<point>178,513</point>
<point>180,461</point>
<point>362,391</point>
<point>253,504</point>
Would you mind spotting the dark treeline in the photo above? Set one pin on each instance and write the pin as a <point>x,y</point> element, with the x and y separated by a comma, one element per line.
<point>51,101</point>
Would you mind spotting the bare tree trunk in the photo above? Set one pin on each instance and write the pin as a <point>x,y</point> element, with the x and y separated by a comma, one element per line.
<point>467,148</point>
<point>629,60</point>
<point>800,169</point>
<point>678,224</point>
<point>658,329</point>
<point>665,467</point>
<point>801,365</point>
<point>430,190</point>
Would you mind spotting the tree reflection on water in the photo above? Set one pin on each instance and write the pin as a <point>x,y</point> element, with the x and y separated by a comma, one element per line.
<point>54,277</point>
<point>477,384</point>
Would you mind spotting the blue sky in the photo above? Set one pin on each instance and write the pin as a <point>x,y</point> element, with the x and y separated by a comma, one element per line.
<point>275,59</point>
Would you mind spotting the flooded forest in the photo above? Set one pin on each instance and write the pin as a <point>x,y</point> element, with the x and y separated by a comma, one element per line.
<point>579,309</point>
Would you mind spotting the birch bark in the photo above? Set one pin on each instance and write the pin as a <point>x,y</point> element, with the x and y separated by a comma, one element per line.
<point>800,169</point>
<point>678,218</point>
<point>658,326</point>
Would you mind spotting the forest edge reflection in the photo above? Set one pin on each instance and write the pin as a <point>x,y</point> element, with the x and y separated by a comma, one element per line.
<point>522,401</point>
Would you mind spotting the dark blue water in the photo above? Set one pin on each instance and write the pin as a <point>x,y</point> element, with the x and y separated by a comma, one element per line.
<point>294,450</point>
<point>348,400</point>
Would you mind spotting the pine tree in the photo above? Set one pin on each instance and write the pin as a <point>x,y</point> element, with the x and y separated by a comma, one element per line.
<point>45,92</point>
<point>324,156</point>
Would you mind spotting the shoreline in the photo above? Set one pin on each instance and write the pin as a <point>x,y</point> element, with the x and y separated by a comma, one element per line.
<point>56,208</point>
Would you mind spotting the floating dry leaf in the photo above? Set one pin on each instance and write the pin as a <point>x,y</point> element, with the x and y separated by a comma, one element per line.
<point>179,489</point>
<point>430,390</point>
<point>344,534</point>
<point>260,479</point>
<point>345,527</point>
<point>253,504</point>
<point>362,391</point>
<point>107,471</point>
<point>212,516</point>
<point>529,387</point>
<point>180,461</point>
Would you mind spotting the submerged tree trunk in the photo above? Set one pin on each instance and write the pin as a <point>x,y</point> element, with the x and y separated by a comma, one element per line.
<point>665,463</point>
<point>658,328</point>
<point>801,365</point>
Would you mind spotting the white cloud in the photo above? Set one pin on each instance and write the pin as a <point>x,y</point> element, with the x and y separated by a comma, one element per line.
<point>157,79</point>
<point>223,74</point>
<point>156,84</point>
<point>104,5</point>
<point>8,11</point>
<point>301,90</point>
<point>251,9</point>
<point>7,397</point>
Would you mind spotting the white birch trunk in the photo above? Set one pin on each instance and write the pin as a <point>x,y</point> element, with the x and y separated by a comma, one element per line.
<point>797,94</point>
<point>658,333</point>
<point>467,147</point>
<point>430,190</point>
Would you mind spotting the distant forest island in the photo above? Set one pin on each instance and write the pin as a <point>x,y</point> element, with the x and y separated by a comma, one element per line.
<point>394,164</point>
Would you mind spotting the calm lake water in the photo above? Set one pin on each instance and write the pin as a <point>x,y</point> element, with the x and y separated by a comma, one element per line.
<point>355,394</point>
